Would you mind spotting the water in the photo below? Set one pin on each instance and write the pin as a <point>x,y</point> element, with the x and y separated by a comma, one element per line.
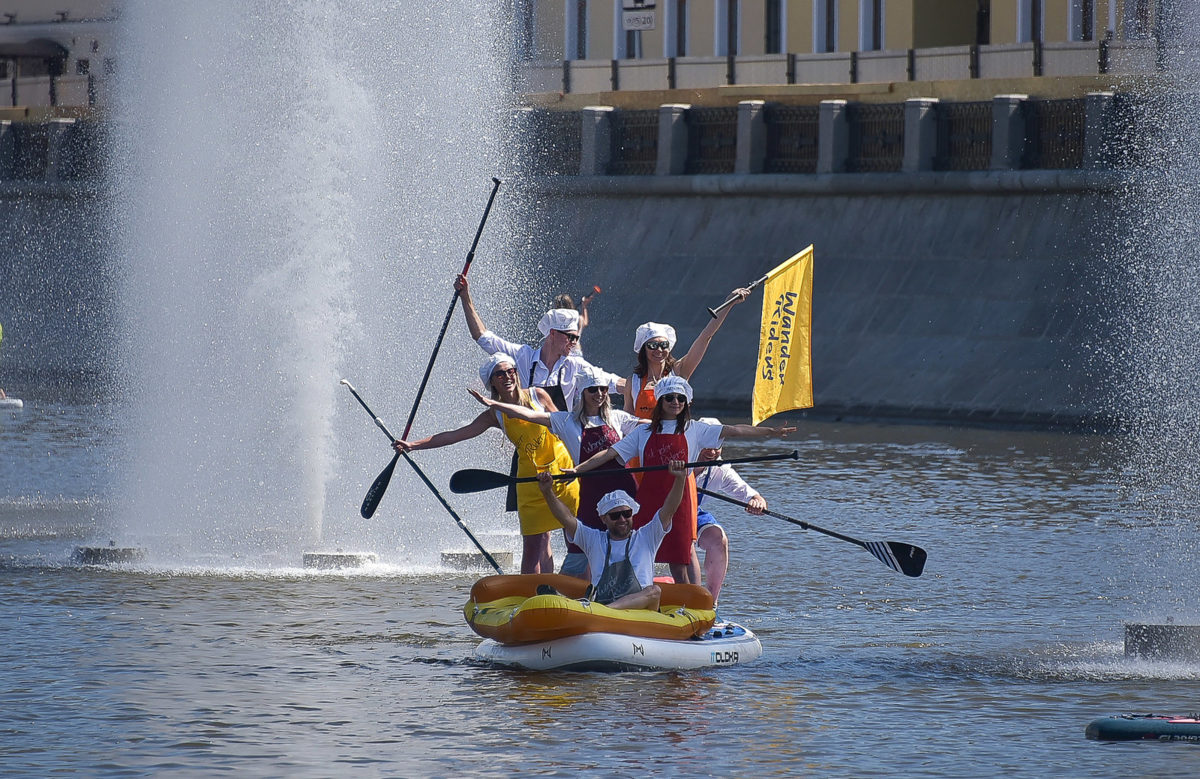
<point>993,661</point>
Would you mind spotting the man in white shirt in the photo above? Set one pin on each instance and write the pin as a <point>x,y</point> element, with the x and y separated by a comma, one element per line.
<point>552,365</point>
<point>621,559</point>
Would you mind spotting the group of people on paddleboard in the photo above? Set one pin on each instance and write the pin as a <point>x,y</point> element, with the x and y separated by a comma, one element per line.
<point>556,408</point>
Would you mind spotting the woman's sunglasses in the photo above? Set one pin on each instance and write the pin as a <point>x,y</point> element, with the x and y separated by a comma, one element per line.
<point>595,389</point>
<point>674,398</point>
<point>659,346</point>
<point>504,372</point>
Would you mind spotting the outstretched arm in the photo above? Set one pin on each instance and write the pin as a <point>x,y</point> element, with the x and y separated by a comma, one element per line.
<point>476,427</point>
<point>690,361</point>
<point>593,462</point>
<point>675,496</point>
<point>513,410</point>
<point>474,322</point>
<point>751,431</point>
<point>557,507</point>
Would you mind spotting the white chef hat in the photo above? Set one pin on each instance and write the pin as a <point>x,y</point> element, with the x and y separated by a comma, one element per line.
<point>488,368</point>
<point>565,319</point>
<point>673,384</point>
<point>651,330</point>
<point>589,377</point>
<point>616,499</point>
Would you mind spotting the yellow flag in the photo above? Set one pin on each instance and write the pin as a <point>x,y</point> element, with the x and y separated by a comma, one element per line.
<point>783,380</point>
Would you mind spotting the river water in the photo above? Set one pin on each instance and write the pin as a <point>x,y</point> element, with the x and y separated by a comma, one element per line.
<point>991,662</point>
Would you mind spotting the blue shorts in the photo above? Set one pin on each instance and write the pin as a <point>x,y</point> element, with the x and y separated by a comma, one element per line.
<point>703,520</point>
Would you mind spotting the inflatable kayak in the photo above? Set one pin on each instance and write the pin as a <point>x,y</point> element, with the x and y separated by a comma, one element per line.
<point>508,610</point>
<point>542,632</point>
<point>1145,727</point>
<point>721,645</point>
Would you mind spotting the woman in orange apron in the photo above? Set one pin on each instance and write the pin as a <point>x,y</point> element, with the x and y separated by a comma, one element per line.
<point>537,449</point>
<point>672,435</point>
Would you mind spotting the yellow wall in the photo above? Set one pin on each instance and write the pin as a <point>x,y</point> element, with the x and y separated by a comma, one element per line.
<point>1004,21</point>
<point>898,24</point>
<point>600,30</point>
<point>946,22</point>
<point>800,27</point>
<point>752,35</point>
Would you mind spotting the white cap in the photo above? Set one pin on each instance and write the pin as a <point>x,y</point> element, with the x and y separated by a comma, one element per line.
<point>488,368</point>
<point>615,499</point>
<point>565,319</point>
<point>651,330</point>
<point>672,384</point>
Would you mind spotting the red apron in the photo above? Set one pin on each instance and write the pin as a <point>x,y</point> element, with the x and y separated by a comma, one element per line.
<point>593,488</point>
<point>660,449</point>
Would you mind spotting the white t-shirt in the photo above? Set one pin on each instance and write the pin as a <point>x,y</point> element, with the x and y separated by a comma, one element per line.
<point>642,544</point>
<point>699,435</point>
<point>724,480</point>
<point>565,425</point>
<point>565,373</point>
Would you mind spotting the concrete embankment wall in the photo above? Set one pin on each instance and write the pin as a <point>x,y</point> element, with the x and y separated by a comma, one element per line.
<point>969,297</point>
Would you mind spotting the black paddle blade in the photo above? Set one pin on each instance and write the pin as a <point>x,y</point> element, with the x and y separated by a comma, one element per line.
<point>477,480</point>
<point>903,558</point>
<point>378,487</point>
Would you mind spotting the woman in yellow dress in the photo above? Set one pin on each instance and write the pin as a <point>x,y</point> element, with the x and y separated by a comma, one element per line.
<point>537,450</point>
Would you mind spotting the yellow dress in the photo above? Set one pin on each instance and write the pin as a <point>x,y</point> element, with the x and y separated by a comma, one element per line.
<point>537,446</point>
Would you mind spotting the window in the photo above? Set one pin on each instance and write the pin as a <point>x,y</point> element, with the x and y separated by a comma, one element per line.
<point>983,23</point>
<point>523,27</point>
<point>633,44</point>
<point>727,27</point>
<point>1139,19</point>
<point>774,27</point>
<point>1030,21</point>
<point>577,31</point>
<point>825,18</point>
<point>82,67</point>
<point>675,28</point>
<point>870,25</point>
<point>1083,20</point>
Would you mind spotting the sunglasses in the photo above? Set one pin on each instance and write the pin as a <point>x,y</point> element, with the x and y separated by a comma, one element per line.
<point>595,389</point>
<point>622,514</point>
<point>504,372</point>
<point>572,337</point>
<point>659,346</point>
<point>674,397</point>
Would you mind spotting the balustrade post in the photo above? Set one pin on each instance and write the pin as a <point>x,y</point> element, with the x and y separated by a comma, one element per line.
<point>56,133</point>
<point>833,137</point>
<point>595,147</point>
<point>8,150</point>
<point>672,139</point>
<point>1008,131</point>
<point>751,137</point>
<point>920,134</point>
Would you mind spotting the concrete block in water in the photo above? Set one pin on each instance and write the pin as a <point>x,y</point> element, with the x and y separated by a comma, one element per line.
<point>333,560</point>
<point>473,560</point>
<point>1163,642</point>
<point>106,555</point>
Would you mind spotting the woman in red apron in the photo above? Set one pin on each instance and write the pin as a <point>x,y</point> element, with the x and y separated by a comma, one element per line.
<point>672,435</point>
<point>593,427</point>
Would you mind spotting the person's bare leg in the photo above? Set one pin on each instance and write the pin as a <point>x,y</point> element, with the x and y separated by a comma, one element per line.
<point>647,598</point>
<point>715,544</point>
<point>535,554</point>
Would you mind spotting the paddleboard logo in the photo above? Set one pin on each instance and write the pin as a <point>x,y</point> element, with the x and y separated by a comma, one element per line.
<point>638,649</point>
<point>728,657</point>
<point>546,653</point>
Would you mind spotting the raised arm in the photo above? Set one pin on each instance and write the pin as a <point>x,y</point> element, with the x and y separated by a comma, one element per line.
<point>690,361</point>
<point>475,428</point>
<point>474,322</point>
<point>513,410</point>
<point>675,496</point>
<point>557,507</point>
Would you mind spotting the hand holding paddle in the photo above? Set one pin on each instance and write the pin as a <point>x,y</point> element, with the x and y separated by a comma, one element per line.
<point>905,558</point>
<point>736,298</point>
<point>479,479</point>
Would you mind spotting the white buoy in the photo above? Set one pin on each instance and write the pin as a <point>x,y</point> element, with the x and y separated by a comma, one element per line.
<point>339,559</point>
<point>1163,642</point>
<point>11,404</point>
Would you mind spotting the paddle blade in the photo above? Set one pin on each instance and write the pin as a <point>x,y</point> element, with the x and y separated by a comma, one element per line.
<point>903,558</point>
<point>477,480</point>
<point>378,487</point>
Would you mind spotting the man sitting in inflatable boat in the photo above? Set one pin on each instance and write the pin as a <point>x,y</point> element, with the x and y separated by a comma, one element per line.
<point>622,576</point>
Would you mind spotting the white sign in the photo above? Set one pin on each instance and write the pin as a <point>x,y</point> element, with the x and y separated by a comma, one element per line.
<point>638,16</point>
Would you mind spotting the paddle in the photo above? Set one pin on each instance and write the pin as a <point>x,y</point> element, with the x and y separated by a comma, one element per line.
<point>380,485</point>
<point>753,285</point>
<point>478,479</point>
<point>905,558</point>
<point>450,313</point>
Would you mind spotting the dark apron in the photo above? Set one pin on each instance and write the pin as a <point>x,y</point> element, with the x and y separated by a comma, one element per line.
<point>618,579</point>
<point>556,394</point>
